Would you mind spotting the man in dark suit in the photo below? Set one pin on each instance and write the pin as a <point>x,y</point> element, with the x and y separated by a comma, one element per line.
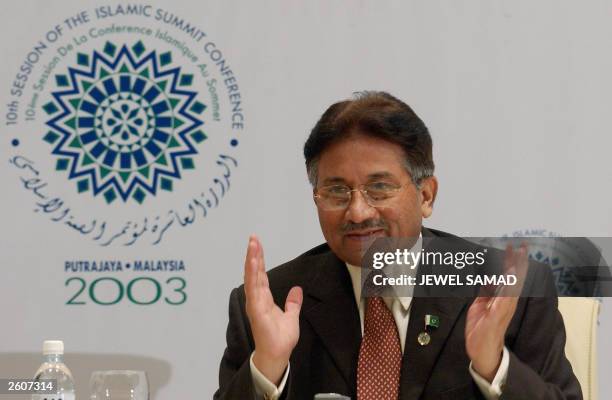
<point>370,162</point>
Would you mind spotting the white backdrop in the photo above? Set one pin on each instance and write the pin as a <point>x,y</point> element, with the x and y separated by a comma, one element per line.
<point>517,95</point>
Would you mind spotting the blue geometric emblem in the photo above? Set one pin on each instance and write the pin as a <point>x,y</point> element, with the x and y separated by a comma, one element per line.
<point>124,122</point>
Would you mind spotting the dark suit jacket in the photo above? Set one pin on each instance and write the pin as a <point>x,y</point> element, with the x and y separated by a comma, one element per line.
<point>325,358</point>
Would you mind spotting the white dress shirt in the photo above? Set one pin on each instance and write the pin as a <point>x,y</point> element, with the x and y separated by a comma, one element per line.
<point>400,308</point>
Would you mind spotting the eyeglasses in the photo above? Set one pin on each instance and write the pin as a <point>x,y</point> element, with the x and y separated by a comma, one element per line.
<point>338,197</point>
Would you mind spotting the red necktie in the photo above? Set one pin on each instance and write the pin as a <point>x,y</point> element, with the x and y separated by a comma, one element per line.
<point>380,354</point>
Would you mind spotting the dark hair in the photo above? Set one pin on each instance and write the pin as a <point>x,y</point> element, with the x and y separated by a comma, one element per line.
<point>377,114</point>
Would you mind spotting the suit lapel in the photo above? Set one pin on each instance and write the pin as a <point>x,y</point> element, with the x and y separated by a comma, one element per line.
<point>418,361</point>
<point>334,316</point>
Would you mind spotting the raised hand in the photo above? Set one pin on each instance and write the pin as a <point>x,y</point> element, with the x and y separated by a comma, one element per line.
<point>275,331</point>
<point>489,316</point>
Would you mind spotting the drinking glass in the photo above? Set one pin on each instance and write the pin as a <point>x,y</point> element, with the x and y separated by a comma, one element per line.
<point>119,385</point>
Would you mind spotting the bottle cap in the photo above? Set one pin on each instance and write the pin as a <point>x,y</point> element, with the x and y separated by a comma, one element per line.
<point>53,347</point>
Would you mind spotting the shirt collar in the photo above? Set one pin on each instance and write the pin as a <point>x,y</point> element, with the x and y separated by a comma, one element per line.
<point>355,273</point>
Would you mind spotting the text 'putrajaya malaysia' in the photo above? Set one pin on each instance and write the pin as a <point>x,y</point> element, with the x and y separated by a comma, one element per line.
<point>114,282</point>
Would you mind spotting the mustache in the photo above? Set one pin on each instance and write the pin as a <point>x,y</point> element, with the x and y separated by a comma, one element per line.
<point>367,224</point>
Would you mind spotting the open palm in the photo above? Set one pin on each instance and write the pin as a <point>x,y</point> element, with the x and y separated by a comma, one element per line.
<point>275,331</point>
<point>489,316</point>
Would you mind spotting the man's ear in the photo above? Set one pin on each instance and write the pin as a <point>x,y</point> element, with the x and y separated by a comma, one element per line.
<point>428,191</point>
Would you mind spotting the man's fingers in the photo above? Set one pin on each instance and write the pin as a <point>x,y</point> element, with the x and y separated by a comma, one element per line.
<point>517,266</point>
<point>250,268</point>
<point>255,278</point>
<point>509,290</point>
<point>522,266</point>
<point>256,284</point>
<point>502,309</point>
<point>516,263</point>
<point>262,276</point>
<point>260,257</point>
<point>293,304</point>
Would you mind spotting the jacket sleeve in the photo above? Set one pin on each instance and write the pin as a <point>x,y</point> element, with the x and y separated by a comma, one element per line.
<point>235,379</point>
<point>538,367</point>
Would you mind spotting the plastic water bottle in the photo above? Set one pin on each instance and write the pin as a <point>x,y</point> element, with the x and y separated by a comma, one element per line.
<point>53,367</point>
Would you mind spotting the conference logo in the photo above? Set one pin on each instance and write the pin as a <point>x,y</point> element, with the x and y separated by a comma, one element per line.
<point>123,124</point>
<point>564,256</point>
